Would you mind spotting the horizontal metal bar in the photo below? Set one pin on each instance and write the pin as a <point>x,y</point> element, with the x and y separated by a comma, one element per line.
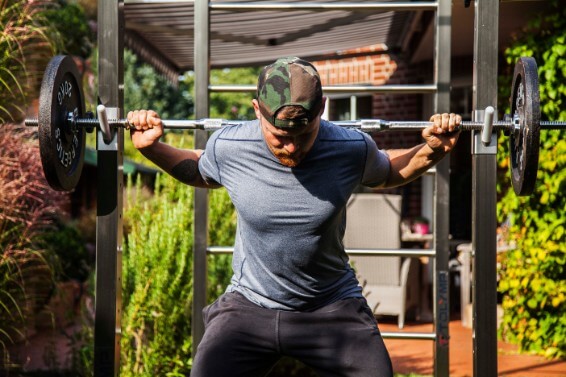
<point>312,6</point>
<point>306,6</point>
<point>159,1</point>
<point>409,335</point>
<point>401,89</point>
<point>365,125</point>
<point>412,253</point>
<point>552,125</point>
<point>220,249</point>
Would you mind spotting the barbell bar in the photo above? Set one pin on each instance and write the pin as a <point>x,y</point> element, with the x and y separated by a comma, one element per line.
<point>63,124</point>
<point>365,125</point>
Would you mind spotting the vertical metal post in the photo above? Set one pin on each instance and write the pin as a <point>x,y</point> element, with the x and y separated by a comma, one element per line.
<point>484,201</point>
<point>353,107</point>
<point>202,73</point>
<point>441,305</point>
<point>108,296</point>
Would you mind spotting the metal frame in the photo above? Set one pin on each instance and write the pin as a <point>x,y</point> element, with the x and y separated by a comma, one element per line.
<point>110,179</point>
<point>441,283</point>
<point>108,296</point>
<point>484,200</point>
<point>202,96</point>
<point>375,6</point>
<point>358,89</point>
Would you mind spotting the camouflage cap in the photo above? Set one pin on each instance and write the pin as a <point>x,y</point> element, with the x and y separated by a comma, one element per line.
<point>289,81</point>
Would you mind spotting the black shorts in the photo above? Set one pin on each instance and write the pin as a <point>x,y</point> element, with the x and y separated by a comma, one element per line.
<point>242,339</point>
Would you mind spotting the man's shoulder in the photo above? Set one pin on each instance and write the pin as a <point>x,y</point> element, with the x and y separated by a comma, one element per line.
<point>332,132</point>
<point>245,131</point>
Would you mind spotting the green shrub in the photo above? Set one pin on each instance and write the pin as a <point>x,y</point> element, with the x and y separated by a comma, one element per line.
<point>70,16</point>
<point>532,281</point>
<point>69,253</point>
<point>157,275</point>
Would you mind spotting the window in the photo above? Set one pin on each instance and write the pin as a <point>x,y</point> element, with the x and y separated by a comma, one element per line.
<point>342,108</point>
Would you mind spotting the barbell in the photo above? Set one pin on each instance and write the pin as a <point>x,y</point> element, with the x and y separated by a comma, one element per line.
<point>63,124</point>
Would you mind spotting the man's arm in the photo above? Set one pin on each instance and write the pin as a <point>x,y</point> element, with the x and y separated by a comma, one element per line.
<point>146,130</point>
<point>408,164</point>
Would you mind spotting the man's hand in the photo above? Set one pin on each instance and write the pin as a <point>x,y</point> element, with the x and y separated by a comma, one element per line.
<point>146,128</point>
<point>442,136</point>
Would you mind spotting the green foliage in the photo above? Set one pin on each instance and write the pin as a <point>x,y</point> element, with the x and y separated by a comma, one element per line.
<point>67,17</point>
<point>25,49</point>
<point>157,278</point>
<point>144,88</point>
<point>234,106</point>
<point>157,282</point>
<point>533,281</point>
<point>67,248</point>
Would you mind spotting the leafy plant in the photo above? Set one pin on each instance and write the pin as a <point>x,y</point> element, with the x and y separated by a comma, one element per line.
<point>64,16</point>
<point>157,280</point>
<point>236,106</point>
<point>533,281</point>
<point>67,248</point>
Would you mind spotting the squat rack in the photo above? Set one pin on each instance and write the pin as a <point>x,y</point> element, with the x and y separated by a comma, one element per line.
<point>110,177</point>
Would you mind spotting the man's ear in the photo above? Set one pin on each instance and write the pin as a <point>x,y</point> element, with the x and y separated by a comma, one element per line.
<point>322,106</point>
<point>256,108</point>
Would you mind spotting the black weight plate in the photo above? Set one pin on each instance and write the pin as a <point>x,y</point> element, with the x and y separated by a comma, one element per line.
<point>524,141</point>
<point>61,145</point>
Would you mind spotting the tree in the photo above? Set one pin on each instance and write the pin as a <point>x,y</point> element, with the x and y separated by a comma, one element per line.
<point>62,17</point>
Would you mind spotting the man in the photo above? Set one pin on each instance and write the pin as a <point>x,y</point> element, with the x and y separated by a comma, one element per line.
<point>289,175</point>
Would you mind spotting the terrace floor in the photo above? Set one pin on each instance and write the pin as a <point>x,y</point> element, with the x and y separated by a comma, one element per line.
<point>416,356</point>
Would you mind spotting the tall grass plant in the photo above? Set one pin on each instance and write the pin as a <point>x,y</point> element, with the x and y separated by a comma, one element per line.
<point>157,275</point>
<point>27,208</point>
<point>25,50</point>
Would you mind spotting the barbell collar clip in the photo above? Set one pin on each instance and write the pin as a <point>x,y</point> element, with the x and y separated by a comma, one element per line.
<point>104,124</point>
<point>487,129</point>
<point>478,145</point>
<point>107,114</point>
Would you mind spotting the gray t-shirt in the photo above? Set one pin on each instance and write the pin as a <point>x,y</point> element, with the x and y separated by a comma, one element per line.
<point>288,252</point>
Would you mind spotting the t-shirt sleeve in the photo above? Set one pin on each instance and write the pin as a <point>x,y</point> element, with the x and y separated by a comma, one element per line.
<point>208,163</point>
<point>377,164</point>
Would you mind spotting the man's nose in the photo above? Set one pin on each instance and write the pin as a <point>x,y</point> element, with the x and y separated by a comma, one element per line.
<point>290,146</point>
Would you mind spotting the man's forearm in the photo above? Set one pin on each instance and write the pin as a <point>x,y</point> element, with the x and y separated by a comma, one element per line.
<point>409,164</point>
<point>182,164</point>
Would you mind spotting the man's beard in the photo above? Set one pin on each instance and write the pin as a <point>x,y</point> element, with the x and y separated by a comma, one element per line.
<point>285,158</point>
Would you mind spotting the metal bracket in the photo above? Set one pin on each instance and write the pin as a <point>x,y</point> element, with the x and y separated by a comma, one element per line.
<point>478,146</point>
<point>102,144</point>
